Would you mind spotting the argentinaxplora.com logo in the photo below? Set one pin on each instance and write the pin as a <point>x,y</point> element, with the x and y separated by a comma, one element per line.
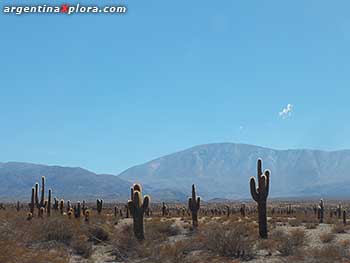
<point>64,9</point>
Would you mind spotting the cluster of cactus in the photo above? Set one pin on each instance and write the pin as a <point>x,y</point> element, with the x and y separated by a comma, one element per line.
<point>137,207</point>
<point>259,195</point>
<point>193,206</point>
<point>40,203</point>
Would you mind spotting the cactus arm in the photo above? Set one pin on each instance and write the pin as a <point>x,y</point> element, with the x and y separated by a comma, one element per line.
<point>253,190</point>
<point>193,194</point>
<point>198,203</point>
<point>132,193</point>
<point>267,182</point>
<point>190,203</point>
<point>259,168</point>
<point>146,201</point>
<point>131,207</point>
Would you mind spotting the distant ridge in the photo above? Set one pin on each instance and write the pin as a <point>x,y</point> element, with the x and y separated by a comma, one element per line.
<point>222,170</point>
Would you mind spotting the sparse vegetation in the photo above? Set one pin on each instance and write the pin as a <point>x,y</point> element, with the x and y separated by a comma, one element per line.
<point>71,231</point>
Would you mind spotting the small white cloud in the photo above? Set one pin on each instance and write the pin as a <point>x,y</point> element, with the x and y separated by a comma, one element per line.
<point>286,112</point>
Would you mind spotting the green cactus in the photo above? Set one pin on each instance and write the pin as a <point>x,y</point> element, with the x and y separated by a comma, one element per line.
<point>228,211</point>
<point>61,206</point>
<point>194,205</point>
<point>55,205</point>
<point>32,202</point>
<point>344,217</point>
<point>137,208</point>
<point>242,210</point>
<point>99,205</point>
<point>320,211</point>
<point>164,209</point>
<point>339,211</point>
<point>42,197</point>
<point>84,207</point>
<point>69,206</point>
<point>77,210</point>
<point>48,206</point>
<point>260,195</point>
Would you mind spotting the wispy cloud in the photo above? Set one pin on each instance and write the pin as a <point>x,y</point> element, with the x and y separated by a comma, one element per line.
<point>286,112</point>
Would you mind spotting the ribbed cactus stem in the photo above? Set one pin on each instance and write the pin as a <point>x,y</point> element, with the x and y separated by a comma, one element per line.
<point>37,195</point>
<point>42,197</point>
<point>321,211</point>
<point>77,210</point>
<point>339,211</point>
<point>137,208</point>
<point>48,207</point>
<point>164,209</point>
<point>99,205</point>
<point>242,210</point>
<point>260,194</point>
<point>32,202</point>
<point>194,205</point>
<point>61,206</point>
<point>344,217</point>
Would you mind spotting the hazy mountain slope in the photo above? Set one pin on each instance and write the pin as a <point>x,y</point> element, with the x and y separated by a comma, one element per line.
<point>17,179</point>
<point>223,170</point>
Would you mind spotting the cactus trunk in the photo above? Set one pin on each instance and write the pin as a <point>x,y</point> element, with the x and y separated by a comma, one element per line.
<point>259,194</point>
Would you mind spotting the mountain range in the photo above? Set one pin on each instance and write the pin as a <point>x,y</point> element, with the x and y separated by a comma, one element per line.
<point>220,170</point>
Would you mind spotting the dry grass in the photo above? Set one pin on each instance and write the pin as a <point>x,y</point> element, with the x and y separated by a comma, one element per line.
<point>234,239</point>
<point>289,243</point>
<point>218,239</point>
<point>327,237</point>
<point>339,229</point>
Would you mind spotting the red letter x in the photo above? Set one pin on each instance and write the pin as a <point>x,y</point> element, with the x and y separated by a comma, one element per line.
<point>64,9</point>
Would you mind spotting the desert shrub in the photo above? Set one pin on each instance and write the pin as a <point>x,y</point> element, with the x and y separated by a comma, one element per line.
<point>98,234</point>
<point>269,245</point>
<point>325,254</point>
<point>236,240</point>
<point>14,251</point>
<point>160,229</point>
<point>295,222</point>
<point>311,225</point>
<point>56,230</point>
<point>327,237</point>
<point>344,247</point>
<point>82,247</point>
<point>288,243</point>
<point>172,252</point>
<point>125,245</point>
<point>339,229</point>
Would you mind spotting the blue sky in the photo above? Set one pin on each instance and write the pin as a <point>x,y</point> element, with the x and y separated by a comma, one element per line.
<point>106,92</point>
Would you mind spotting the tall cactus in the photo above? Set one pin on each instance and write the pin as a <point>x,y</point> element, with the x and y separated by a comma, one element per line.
<point>42,197</point>
<point>48,207</point>
<point>99,205</point>
<point>259,195</point>
<point>194,205</point>
<point>339,210</point>
<point>62,206</point>
<point>164,209</point>
<point>321,211</point>
<point>137,208</point>
<point>32,202</point>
